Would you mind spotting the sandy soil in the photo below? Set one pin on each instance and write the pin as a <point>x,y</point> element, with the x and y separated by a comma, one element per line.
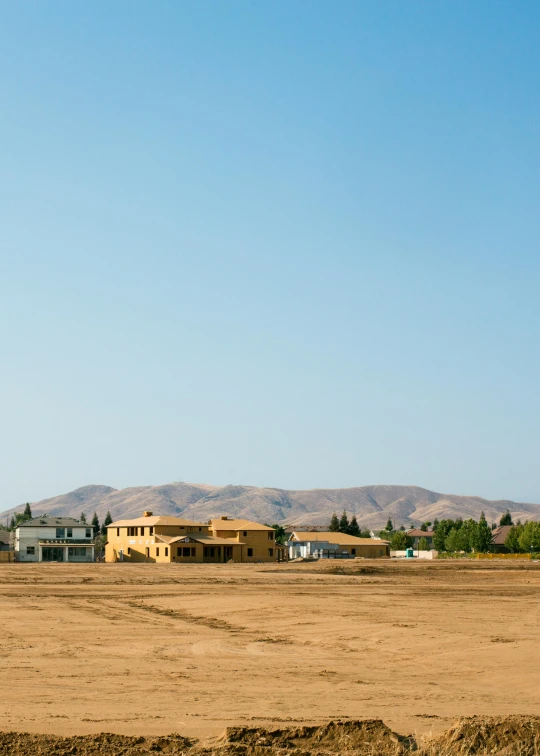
<point>155,649</point>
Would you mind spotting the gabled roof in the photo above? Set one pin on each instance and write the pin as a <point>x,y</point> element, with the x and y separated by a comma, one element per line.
<point>206,540</point>
<point>53,522</point>
<point>342,539</point>
<point>5,536</point>
<point>229,523</point>
<point>157,520</point>
<point>417,533</point>
<point>500,534</point>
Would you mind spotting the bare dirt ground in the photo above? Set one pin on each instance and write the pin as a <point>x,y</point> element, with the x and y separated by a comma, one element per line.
<point>155,649</point>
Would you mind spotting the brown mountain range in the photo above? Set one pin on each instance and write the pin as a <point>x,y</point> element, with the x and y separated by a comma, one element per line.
<point>372,505</point>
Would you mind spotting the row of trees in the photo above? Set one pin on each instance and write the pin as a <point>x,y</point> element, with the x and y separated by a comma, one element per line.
<point>463,535</point>
<point>20,517</point>
<point>524,538</point>
<point>342,525</point>
<point>96,527</point>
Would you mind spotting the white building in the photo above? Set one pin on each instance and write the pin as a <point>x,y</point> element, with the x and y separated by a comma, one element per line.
<point>54,539</point>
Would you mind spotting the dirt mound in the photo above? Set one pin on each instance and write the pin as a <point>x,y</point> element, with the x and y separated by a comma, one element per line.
<point>362,738</point>
<point>24,744</point>
<point>496,736</point>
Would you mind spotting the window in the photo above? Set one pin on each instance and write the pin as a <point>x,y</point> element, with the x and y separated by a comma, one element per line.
<point>270,552</point>
<point>60,532</point>
<point>166,551</point>
<point>193,552</point>
<point>270,535</point>
<point>200,529</point>
<point>151,531</point>
<point>70,532</point>
<point>30,549</point>
<point>250,552</point>
<point>77,551</point>
<point>244,533</point>
<point>353,552</point>
<point>117,533</point>
<point>142,531</point>
<point>147,551</point>
<point>129,551</point>
<point>157,551</point>
<point>205,551</point>
<point>186,551</point>
<point>88,532</point>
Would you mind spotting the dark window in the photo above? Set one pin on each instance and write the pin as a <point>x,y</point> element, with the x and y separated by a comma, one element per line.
<point>244,533</point>
<point>212,552</point>
<point>147,552</point>
<point>353,552</point>
<point>250,552</point>
<point>193,552</point>
<point>200,530</point>
<point>60,532</point>
<point>151,531</point>
<point>157,551</point>
<point>142,531</point>
<point>205,551</point>
<point>166,551</point>
<point>270,535</point>
<point>30,549</point>
<point>270,552</point>
<point>70,532</point>
<point>186,551</point>
<point>129,551</point>
<point>78,551</point>
<point>117,533</point>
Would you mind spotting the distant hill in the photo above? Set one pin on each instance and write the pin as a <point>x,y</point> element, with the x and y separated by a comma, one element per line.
<point>372,505</point>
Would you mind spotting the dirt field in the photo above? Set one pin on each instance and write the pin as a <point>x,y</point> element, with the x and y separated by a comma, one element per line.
<point>155,649</point>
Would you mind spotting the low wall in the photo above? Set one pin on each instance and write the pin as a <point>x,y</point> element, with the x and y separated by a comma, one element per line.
<point>417,554</point>
<point>7,556</point>
<point>501,556</point>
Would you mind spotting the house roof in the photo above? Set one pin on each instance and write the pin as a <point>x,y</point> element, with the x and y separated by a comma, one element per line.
<point>156,520</point>
<point>207,540</point>
<point>342,539</point>
<point>53,522</point>
<point>500,534</point>
<point>417,533</point>
<point>230,523</point>
<point>5,536</point>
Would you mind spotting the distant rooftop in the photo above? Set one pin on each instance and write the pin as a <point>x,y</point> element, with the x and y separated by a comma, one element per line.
<point>53,522</point>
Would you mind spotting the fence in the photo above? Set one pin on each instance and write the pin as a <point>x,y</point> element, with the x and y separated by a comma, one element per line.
<point>501,556</point>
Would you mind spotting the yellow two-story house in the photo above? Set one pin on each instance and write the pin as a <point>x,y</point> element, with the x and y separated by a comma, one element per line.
<point>172,539</point>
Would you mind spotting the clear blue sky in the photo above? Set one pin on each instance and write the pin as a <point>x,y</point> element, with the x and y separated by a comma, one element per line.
<point>278,243</point>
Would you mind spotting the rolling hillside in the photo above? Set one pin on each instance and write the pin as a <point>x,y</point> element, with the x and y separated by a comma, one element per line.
<point>372,505</point>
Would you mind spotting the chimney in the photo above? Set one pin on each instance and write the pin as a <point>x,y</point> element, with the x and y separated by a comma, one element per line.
<point>223,517</point>
<point>147,514</point>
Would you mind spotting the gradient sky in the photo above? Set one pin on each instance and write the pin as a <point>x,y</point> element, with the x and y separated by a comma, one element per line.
<point>292,244</point>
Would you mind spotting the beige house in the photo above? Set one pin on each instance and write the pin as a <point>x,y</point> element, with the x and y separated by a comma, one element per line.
<point>172,539</point>
<point>333,545</point>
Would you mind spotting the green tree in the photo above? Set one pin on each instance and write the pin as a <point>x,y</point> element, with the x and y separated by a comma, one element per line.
<point>400,541</point>
<point>512,539</point>
<point>107,521</point>
<point>389,526</point>
<point>424,527</point>
<point>423,544</point>
<point>344,523</point>
<point>506,519</point>
<point>482,537</point>
<point>529,538</point>
<point>83,518</point>
<point>354,528</point>
<point>95,524</point>
<point>365,533</point>
<point>441,534</point>
<point>27,514</point>
<point>12,524</point>
<point>334,524</point>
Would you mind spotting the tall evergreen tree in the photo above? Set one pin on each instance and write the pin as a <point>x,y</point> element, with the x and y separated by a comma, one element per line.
<point>482,538</point>
<point>27,514</point>
<point>83,518</point>
<point>389,525</point>
<point>344,523</point>
<point>95,524</point>
<point>334,524</point>
<point>12,524</point>
<point>506,519</point>
<point>106,521</point>
<point>354,528</point>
